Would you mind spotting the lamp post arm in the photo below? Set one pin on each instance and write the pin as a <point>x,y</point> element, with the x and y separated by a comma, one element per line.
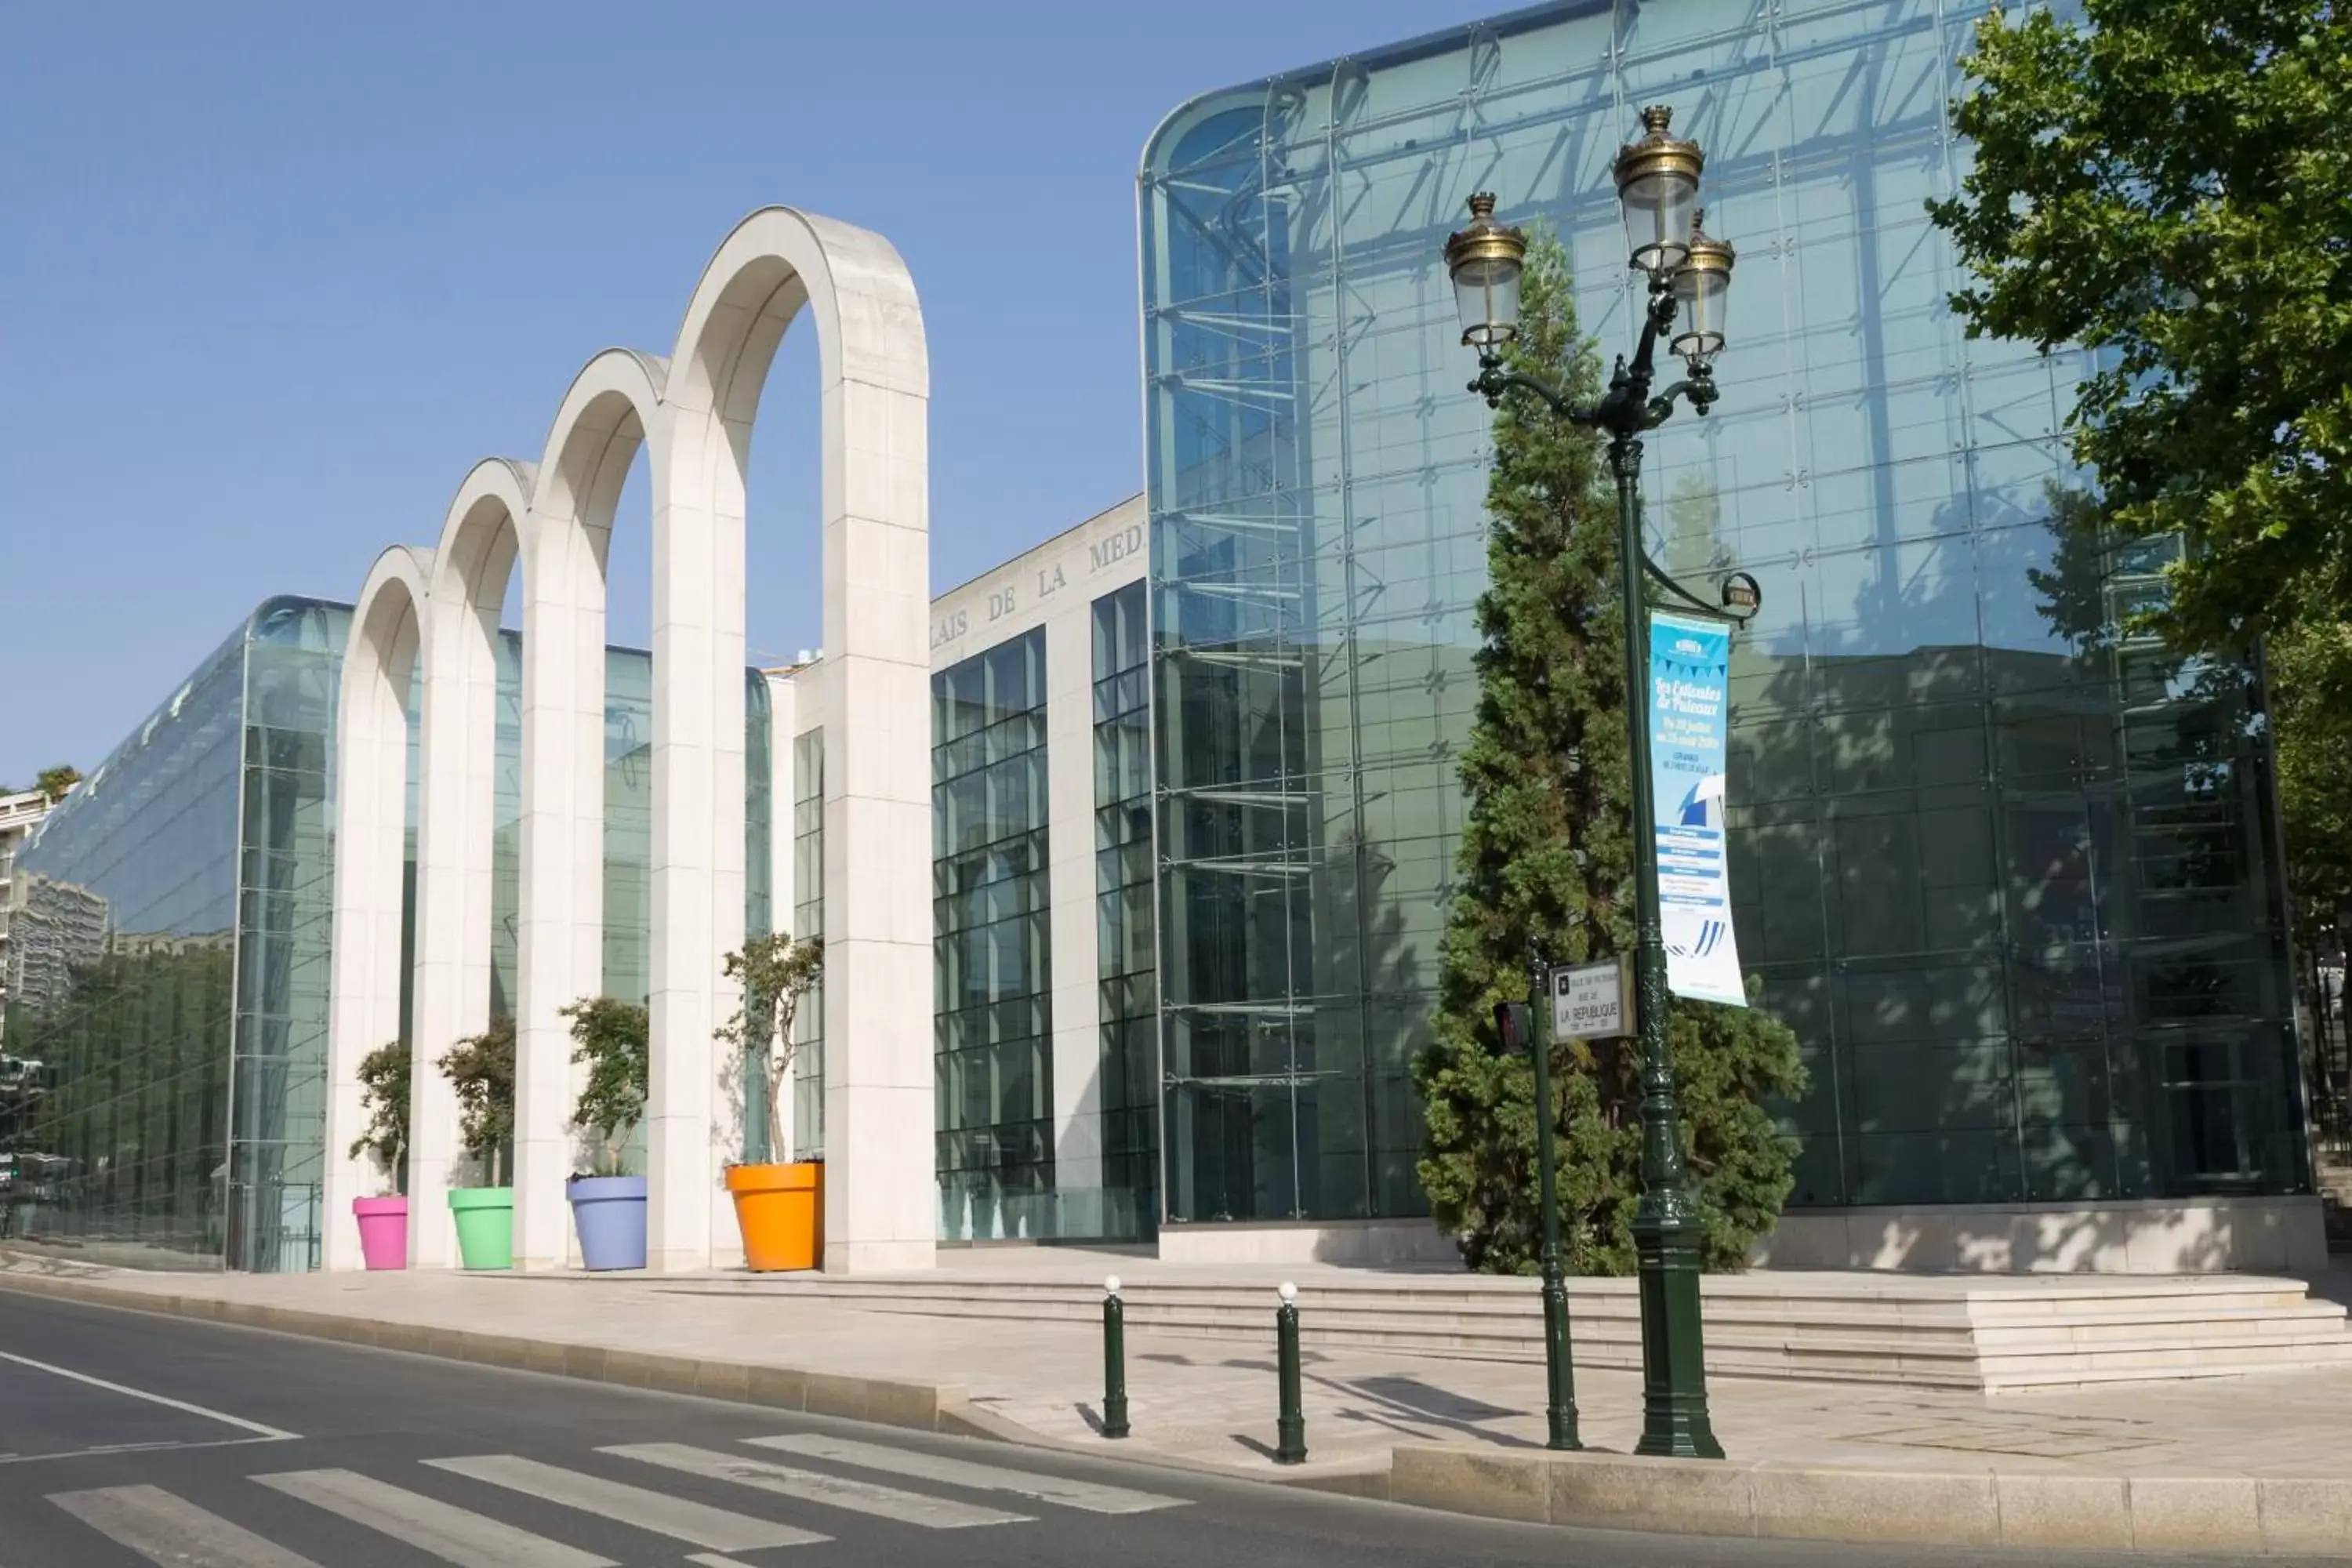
<point>1699,389</point>
<point>1493,381</point>
<point>1672,584</point>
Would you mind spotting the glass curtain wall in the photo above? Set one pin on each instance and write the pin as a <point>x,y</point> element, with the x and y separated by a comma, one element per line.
<point>808,920</point>
<point>2012,881</point>
<point>293,668</point>
<point>169,971</point>
<point>628,824</point>
<point>993,995</point>
<point>1126,964</point>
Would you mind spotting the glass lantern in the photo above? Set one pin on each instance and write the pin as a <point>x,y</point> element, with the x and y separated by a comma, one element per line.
<point>1657,184</point>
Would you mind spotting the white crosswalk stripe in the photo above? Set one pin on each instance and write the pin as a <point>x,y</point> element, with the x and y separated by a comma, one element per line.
<point>451,1533</point>
<point>1084,1495</point>
<point>172,1532</point>
<point>681,1519</point>
<point>812,1485</point>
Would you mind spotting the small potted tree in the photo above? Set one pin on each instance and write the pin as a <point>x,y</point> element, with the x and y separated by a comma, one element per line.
<point>481,1069</point>
<point>608,1206</point>
<point>383,1142</point>
<point>780,1205</point>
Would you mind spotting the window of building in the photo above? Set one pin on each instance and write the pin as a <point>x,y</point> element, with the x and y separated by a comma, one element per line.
<point>1126,961</point>
<point>993,986</point>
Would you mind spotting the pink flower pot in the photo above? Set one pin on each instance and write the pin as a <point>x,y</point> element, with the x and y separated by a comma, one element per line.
<point>384,1231</point>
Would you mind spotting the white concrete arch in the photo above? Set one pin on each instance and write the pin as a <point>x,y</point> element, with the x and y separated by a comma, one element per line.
<point>481,539</point>
<point>873,396</point>
<point>380,666</point>
<point>694,415</point>
<point>598,428</point>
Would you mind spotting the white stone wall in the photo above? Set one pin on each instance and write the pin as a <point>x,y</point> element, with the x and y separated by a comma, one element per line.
<point>2152,1236</point>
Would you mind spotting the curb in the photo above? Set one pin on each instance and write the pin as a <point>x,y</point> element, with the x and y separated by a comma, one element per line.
<point>2234,1515</point>
<point>925,1407</point>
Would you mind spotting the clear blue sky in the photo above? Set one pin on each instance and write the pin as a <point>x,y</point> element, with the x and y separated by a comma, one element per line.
<point>274,275</point>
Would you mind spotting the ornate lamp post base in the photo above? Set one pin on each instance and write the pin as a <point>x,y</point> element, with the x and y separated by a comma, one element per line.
<point>1674,1373</point>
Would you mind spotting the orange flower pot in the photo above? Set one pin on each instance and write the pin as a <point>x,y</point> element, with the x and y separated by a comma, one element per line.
<point>780,1211</point>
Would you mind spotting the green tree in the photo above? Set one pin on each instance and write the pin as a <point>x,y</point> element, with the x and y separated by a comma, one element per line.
<point>776,971</point>
<point>2169,182</point>
<point>55,782</point>
<point>383,1095</point>
<point>481,1069</point>
<point>1546,861</point>
<point>2311,704</point>
<point>612,1038</point>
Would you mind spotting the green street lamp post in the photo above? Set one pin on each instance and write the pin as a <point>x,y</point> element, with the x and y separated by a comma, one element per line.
<point>1689,275</point>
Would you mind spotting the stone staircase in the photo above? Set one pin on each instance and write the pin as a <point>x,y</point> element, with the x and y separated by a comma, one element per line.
<point>1987,1334</point>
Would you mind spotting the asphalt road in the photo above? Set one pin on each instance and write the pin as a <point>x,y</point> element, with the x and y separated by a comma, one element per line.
<point>205,1446</point>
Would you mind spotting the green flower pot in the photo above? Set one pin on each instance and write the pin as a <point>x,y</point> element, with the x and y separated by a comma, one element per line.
<point>485,1218</point>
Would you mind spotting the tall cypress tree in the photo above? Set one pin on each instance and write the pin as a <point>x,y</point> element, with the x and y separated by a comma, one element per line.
<point>1547,863</point>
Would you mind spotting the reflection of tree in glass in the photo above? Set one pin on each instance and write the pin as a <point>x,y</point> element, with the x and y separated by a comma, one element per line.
<point>2074,586</point>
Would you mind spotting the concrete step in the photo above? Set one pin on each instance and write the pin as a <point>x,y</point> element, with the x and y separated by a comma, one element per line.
<point>1401,1323</point>
<point>1837,1314</point>
<point>1927,1332</point>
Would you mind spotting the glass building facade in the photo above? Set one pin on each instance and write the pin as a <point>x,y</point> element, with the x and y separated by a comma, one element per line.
<point>993,1004</point>
<point>169,950</point>
<point>2011,878</point>
<point>1126,956</point>
<point>170,970</point>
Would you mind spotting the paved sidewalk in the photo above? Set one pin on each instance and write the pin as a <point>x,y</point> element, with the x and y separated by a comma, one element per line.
<point>1208,1402</point>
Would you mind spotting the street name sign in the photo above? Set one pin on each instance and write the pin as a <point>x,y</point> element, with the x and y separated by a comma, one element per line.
<point>1592,1001</point>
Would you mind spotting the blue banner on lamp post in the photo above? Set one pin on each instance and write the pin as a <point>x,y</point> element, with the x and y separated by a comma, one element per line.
<point>1690,680</point>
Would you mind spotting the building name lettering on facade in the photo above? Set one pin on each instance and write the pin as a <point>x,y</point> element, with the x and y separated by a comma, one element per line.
<point>1118,547</point>
<point>1101,555</point>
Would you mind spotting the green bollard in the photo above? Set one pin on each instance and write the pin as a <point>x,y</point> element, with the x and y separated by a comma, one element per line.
<point>1290,1427</point>
<point>1114,1361</point>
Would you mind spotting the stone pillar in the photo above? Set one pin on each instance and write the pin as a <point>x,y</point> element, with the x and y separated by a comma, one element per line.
<point>452,995</point>
<point>560,956</point>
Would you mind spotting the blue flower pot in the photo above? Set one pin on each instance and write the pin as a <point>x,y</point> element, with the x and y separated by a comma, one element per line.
<point>609,1213</point>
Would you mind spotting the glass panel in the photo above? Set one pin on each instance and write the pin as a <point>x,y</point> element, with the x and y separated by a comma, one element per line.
<point>808,920</point>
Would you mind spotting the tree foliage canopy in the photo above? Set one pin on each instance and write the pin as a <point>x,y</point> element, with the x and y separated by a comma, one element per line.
<point>384,1097</point>
<point>1546,864</point>
<point>481,1069</point>
<point>53,783</point>
<point>2169,182</point>
<point>776,971</point>
<point>612,1039</point>
<point>2311,704</point>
